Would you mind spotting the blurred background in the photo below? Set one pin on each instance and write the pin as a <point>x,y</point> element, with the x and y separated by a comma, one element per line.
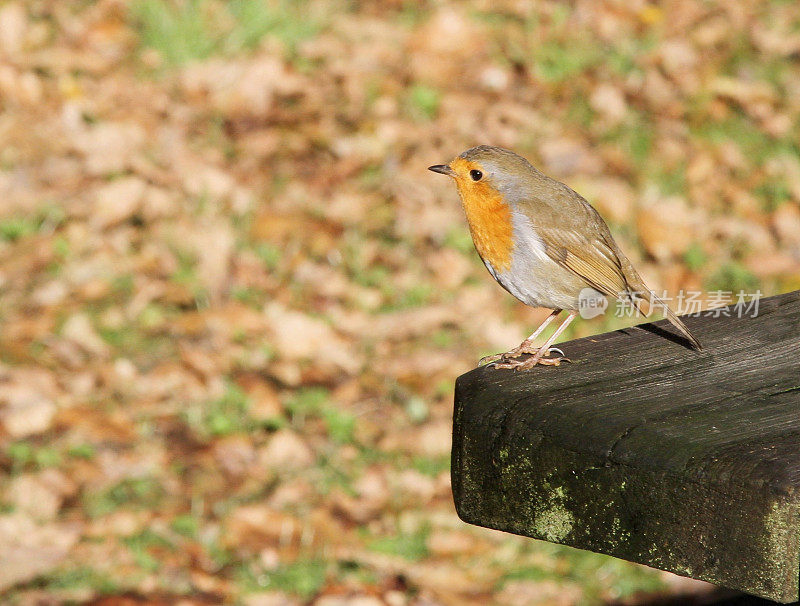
<point>233,301</point>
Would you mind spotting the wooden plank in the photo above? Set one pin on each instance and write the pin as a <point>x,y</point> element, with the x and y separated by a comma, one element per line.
<point>646,450</point>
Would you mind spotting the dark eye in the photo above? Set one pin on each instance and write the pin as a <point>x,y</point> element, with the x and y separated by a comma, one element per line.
<point>476,175</point>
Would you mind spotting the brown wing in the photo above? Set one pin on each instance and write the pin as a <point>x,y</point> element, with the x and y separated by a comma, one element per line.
<point>594,260</point>
<point>576,237</point>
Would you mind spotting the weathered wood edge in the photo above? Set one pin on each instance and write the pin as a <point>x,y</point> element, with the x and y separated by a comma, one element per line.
<point>531,490</point>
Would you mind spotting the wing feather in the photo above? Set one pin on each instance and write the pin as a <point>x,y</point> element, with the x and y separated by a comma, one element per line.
<point>592,260</point>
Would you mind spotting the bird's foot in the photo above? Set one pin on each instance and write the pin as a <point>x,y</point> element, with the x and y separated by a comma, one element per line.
<point>526,347</point>
<point>539,357</point>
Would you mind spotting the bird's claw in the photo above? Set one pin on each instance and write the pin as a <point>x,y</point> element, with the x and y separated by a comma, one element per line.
<point>490,359</point>
<point>509,359</point>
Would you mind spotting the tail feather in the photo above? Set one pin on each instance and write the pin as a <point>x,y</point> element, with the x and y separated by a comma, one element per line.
<point>653,300</point>
<point>676,321</point>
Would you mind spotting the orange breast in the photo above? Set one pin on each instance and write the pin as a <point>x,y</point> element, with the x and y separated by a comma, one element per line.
<point>489,221</point>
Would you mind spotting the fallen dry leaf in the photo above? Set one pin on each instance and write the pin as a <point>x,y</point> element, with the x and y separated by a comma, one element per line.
<point>28,550</point>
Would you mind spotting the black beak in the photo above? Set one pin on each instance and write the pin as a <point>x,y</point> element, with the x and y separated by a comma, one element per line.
<point>442,168</point>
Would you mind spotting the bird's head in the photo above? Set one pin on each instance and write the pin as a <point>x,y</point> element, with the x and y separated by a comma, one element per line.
<point>487,171</point>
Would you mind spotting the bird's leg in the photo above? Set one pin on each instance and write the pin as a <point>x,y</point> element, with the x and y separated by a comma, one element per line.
<point>526,347</point>
<point>538,357</point>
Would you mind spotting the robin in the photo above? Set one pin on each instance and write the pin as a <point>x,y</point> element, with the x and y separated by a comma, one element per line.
<point>544,244</point>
